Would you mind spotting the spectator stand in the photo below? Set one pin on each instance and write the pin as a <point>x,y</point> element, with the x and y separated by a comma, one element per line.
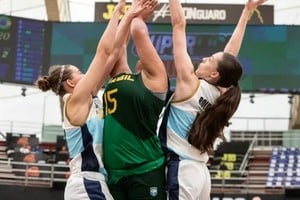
<point>227,164</point>
<point>61,159</point>
<point>284,169</point>
<point>29,165</point>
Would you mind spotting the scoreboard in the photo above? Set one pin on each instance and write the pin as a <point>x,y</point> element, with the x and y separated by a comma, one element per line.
<point>269,54</point>
<point>24,49</point>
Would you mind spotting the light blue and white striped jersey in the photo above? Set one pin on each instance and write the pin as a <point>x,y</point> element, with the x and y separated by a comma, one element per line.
<point>181,117</point>
<point>85,142</point>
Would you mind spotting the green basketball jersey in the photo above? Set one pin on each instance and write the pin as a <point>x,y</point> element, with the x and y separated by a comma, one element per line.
<point>130,144</point>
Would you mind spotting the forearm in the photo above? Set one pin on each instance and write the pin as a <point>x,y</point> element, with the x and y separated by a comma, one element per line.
<point>108,36</point>
<point>123,32</point>
<point>183,65</point>
<point>138,28</point>
<point>96,75</point>
<point>177,14</point>
<point>234,44</point>
<point>122,35</point>
<point>121,40</point>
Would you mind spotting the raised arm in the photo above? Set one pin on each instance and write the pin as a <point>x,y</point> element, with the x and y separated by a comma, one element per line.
<point>121,65</point>
<point>234,44</point>
<point>79,103</point>
<point>152,68</point>
<point>105,44</point>
<point>186,79</point>
<point>123,31</point>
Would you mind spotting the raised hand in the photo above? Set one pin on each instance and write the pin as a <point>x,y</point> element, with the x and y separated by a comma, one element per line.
<point>149,9</point>
<point>120,6</point>
<point>138,6</point>
<point>251,5</point>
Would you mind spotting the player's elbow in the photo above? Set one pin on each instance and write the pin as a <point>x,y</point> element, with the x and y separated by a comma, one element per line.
<point>112,59</point>
<point>138,28</point>
<point>178,22</point>
<point>179,25</point>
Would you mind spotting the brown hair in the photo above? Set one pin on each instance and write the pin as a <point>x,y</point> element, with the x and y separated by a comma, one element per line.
<point>209,125</point>
<point>56,76</point>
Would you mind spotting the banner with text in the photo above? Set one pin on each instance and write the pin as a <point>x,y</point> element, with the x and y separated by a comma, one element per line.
<point>196,13</point>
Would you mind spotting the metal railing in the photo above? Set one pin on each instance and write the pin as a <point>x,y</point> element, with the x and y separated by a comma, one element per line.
<point>238,124</point>
<point>249,181</point>
<point>245,180</point>
<point>246,157</point>
<point>18,173</point>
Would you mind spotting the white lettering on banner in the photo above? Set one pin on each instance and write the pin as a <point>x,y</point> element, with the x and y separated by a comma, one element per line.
<point>193,13</point>
<point>205,14</point>
<point>162,12</point>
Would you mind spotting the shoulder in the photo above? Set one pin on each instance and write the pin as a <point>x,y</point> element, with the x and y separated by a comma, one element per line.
<point>208,90</point>
<point>206,85</point>
<point>66,97</point>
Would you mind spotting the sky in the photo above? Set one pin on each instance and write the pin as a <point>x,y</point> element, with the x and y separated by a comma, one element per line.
<point>37,107</point>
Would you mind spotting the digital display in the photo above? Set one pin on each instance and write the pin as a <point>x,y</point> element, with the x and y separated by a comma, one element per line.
<point>198,44</point>
<point>75,43</point>
<point>269,53</point>
<point>7,42</point>
<point>24,49</point>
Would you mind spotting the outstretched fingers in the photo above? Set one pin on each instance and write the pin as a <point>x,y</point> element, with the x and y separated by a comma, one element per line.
<point>138,6</point>
<point>150,6</point>
<point>253,4</point>
<point>120,6</point>
<point>260,2</point>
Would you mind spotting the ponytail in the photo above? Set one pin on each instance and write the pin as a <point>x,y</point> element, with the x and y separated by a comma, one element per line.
<point>209,125</point>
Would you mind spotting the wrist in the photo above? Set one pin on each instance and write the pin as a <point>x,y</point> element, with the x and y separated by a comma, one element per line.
<point>247,11</point>
<point>119,9</point>
<point>130,14</point>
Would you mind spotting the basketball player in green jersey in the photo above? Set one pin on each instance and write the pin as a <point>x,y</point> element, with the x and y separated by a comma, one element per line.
<point>133,156</point>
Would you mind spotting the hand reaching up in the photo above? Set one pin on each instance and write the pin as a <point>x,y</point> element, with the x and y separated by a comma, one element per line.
<point>120,6</point>
<point>251,5</point>
<point>149,9</point>
<point>142,6</point>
